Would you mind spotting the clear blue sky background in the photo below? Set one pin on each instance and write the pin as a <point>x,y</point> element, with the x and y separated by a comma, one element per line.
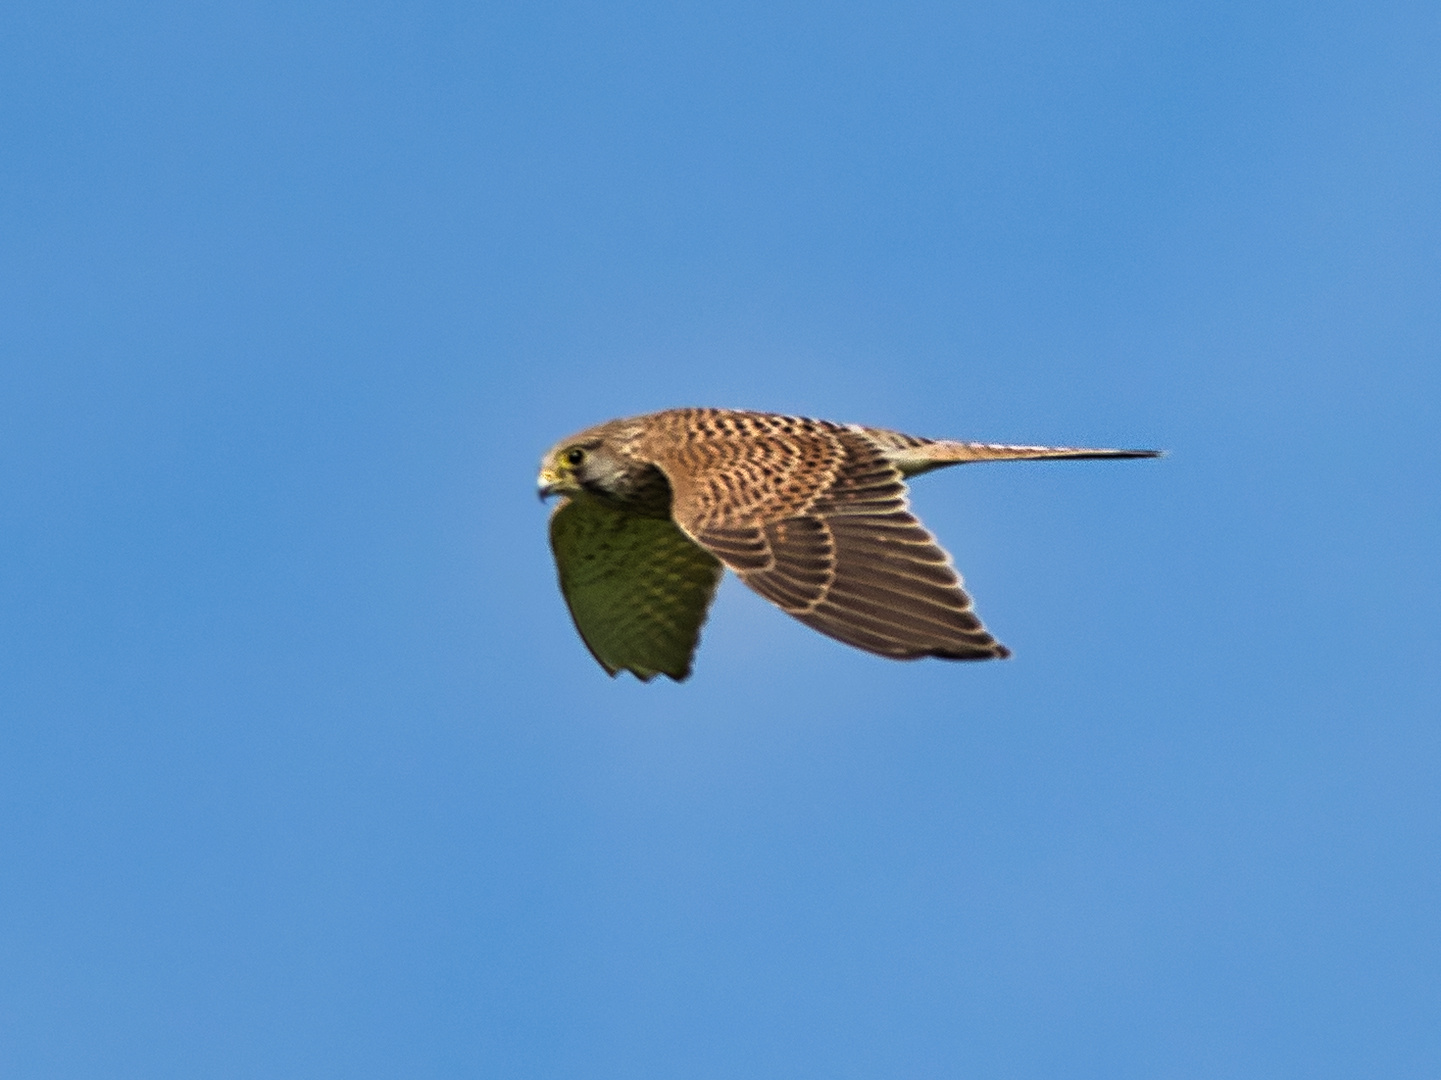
<point>303,770</point>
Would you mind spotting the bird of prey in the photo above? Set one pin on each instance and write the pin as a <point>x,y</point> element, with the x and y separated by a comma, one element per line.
<point>810,514</point>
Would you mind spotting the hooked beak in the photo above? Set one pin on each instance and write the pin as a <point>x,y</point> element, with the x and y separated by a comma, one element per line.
<point>547,484</point>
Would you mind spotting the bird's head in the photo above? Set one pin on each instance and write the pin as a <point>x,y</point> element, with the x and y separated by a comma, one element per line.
<point>592,461</point>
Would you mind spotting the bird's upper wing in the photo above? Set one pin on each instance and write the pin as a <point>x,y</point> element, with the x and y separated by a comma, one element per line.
<point>838,549</point>
<point>638,588</point>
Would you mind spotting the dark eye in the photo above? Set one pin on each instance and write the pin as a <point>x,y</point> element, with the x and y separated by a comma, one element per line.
<point>575,455</point>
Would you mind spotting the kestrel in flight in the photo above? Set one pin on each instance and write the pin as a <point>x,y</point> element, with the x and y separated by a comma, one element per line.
<point>810,514</point>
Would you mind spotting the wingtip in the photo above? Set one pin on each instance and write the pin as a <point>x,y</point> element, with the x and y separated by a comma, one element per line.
<point>973,653</point>
<point>645,675</point>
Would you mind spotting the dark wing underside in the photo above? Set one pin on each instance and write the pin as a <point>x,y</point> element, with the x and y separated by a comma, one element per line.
<point>858,566</point>
<point>638,588</point>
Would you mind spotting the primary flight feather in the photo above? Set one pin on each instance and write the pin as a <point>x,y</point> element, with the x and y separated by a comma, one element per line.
<point>810,514</point>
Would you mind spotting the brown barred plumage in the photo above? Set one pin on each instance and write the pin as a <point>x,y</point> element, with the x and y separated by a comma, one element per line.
<point>810,514</point>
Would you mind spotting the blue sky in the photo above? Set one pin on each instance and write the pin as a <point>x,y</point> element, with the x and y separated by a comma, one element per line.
<point>304,772</point>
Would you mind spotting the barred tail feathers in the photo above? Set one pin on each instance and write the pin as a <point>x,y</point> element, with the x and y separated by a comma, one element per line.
<point>913,455</point>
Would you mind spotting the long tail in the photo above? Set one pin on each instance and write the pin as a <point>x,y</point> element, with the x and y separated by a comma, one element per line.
<point>915,455</point>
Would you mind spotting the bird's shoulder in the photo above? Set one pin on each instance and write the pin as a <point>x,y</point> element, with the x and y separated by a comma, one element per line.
<point>729,466</point>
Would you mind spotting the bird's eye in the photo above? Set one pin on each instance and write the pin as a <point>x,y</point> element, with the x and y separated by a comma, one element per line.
<point>575,455</point>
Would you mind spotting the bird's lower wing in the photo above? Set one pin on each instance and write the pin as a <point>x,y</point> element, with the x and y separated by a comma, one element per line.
<point>895,593</point>
<point>879,583</point>
<point>638,588</point>
<point>860,568</point>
